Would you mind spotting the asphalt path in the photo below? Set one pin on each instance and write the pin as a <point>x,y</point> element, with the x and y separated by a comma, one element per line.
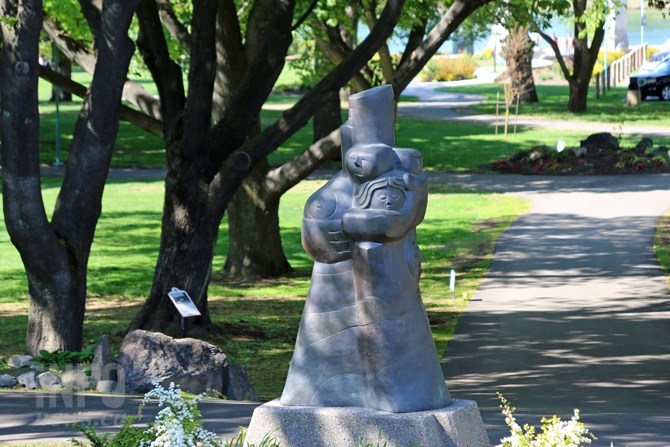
<point>441,101</point>
<point>32,417</point>
<point>574,311</point>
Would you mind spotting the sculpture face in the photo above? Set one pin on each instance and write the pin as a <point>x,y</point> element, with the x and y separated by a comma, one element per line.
<point>388,197</point>
<point>370,161</point>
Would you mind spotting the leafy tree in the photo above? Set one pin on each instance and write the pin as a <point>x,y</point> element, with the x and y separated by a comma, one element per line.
<point>255,208</point>
<point>589,30</point>
<point>234,61</point>
<point>55,252</point>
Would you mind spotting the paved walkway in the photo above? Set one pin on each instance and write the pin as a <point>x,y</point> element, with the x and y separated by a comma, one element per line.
<point>454,106</point>
<point>574,312</point>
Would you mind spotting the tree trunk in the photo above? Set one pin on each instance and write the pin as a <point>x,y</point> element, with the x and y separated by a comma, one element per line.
<point>254,239</point>
<point>579,90</point>
<point>55,254</point>
<point>188,238</point>
<point>519,55</point>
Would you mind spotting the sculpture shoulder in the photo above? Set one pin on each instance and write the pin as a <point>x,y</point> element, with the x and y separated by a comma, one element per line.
<point>331,200</point>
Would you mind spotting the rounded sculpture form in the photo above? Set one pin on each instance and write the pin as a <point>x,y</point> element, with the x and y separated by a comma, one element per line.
<point>364,339</point>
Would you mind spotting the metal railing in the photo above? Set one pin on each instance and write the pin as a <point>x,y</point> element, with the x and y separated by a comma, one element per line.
<point>620,69</point>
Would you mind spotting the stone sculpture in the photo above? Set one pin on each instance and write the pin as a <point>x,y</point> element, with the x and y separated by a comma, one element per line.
<point>364,339</point>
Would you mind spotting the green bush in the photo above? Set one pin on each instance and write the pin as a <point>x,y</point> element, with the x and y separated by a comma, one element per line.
<point>443,68</point>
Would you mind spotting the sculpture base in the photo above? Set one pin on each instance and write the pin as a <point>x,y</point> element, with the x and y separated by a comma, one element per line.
<point>458,425</point>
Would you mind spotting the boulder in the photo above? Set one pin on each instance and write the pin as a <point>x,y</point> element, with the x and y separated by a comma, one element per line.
<point>644,144</point>
<point>107,386</point>
<point>196,366</point>
<point>20,361</point>
<point>237,385</point>
<point>74,379</point>
<point>28,380</point>
<point>603,141</point>
<point>49,381</point>
<point>104,366</point>
<point>7,380</point>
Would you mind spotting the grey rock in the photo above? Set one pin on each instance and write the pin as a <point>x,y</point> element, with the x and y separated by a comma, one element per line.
<point>20,361</point>
<point>602,141</point>
<point>28,380</point>
<point>104,366</point>
<point>106,386</point>
<point>196,366</point>
<point>644,144</point>
<point>237,385</point>
<point>7,380</point>
<point>579,152</point>
<point>49,381</point>
<point>74,379</point>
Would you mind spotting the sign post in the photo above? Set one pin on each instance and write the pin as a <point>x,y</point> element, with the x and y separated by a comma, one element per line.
<point>185,306</point>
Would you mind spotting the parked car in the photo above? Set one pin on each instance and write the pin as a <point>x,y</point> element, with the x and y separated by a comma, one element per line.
<point>653,83</point>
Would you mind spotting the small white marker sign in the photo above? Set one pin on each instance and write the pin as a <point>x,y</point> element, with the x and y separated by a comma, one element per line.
<point>184,304</point>
<point>452,281</point>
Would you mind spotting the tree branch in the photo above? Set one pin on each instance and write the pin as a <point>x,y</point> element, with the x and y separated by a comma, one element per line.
<point>450,21</point>
<point>128,114</point>
<point>165,72</point>
<point>230,57</point>
<point>80,55</point>
<point>555,49</point>
<point>268,39</point>
<point>173,25</point>
<point>289,174</point>
<point>236,166</point>
<point>304,16</point>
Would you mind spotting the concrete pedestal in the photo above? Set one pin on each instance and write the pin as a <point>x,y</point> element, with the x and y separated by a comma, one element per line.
<point>458,425</point>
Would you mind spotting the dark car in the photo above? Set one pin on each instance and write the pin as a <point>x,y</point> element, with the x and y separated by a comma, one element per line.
<point>653,83</point>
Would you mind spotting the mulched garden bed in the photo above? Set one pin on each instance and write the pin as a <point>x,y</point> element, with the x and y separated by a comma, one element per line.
<point>598,154</point>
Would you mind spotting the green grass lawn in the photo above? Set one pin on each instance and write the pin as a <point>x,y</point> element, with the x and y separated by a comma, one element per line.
<point>610,108</point>
<point>256,322</point>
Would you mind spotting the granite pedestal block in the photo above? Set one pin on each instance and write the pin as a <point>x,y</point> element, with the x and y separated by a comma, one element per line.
<point>458,425</point>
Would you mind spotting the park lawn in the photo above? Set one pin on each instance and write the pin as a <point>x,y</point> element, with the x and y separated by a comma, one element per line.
<point>446,146</point>
<point>256,323</point>
<point>609,108</point>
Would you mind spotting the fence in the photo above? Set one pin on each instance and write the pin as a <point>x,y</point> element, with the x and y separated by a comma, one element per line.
<point>620,69</point>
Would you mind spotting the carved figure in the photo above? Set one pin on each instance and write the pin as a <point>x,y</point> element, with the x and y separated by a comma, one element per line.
<point>364,339</point>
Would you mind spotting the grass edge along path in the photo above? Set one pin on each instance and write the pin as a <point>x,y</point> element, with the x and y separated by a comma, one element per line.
<point>256,322</point>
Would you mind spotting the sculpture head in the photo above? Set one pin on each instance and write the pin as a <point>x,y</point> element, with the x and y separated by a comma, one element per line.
<point>385,193</point>
<point>367,162</point>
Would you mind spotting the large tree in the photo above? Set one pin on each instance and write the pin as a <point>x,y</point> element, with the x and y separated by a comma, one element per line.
<point>255,210</point>
<point>55,252</point>
<point>233,66</point>
<point>588,17</point>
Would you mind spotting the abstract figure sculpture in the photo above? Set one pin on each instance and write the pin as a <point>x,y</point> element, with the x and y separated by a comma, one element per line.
<point>364,339</point>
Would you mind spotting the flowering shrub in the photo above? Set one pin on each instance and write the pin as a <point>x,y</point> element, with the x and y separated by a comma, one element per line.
<point>462,66</point>
<point>555,432</point>
<point>177,424</point>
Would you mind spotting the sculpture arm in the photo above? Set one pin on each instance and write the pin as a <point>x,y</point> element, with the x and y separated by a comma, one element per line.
<point>324,240</point>
<point>375,225</point>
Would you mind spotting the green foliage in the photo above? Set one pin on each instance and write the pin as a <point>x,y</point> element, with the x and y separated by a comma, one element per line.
<point>128,435</point>
<point>239,441</point>
<point>60,359</point>
<point>456,68</point>
<point>554,432</point>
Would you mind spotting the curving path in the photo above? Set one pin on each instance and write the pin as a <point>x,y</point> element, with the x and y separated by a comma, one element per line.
<point>454,106</point>
<point>574,312</point>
